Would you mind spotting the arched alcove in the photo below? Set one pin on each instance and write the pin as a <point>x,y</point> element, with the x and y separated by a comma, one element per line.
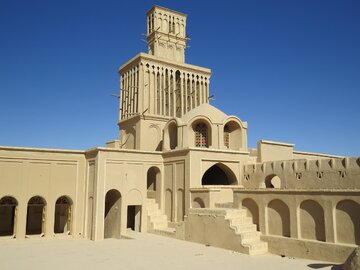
<point>198,203</point>
<point>8,207</point>
<point>252,210</point>
<point>112,214</point>
<point>63,215</point>
<point>348,222</point>
<point>232,135</point>
<point>219,174</point>
<point>168,204</point>
<point>180,207</point>
<point>36,216</point>
<point>312,221</point>
<point>154,184</point>
<point>278,218</point>
<point>173,135</point>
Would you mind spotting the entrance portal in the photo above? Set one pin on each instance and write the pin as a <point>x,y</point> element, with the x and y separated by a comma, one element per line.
<point>134,217</point>
<point>112,214</point>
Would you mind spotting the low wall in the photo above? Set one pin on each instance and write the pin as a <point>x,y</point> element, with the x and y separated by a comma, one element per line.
<point>313,224</point>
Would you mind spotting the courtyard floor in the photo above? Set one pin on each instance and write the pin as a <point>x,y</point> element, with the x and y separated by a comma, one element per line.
<point>143,251</point>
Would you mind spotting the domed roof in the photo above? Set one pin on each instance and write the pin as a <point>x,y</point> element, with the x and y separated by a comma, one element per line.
<point>205,110</point>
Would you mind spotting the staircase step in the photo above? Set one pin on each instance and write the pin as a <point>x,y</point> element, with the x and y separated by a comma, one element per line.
<point>243,220</point>
<point>169,232</point>
<point>235,213</point>
<point>160,225</point>
<point>241,228</point>
<point>258,248</point>
<point>249,237</point>
<point>158,218</point>
<point>153,212</point>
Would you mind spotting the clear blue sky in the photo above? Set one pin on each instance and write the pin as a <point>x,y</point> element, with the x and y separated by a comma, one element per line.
<point>291,69</point>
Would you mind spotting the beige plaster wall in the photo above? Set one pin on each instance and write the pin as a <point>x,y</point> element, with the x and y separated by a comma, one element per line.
<point>26,172</point>
<point>272,151</point>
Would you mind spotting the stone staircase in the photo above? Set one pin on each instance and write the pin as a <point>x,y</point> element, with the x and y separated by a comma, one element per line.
<point>243,226</point>
<point>157,221</point>
<point>225,228</point>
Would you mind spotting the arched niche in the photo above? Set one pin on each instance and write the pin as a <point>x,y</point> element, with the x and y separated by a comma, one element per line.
<point>198,203</point>
<point>112,214</point>
<point>170,135</point>
<point>348,222</point>
<point>219,174</point>
<point>168,204</point>
<point>180,205</point>
<point>8,211</point>
<point>278,218</point>
<point>153,177</point>
<point>232,135</point>
<point>312,223</point>
<point>63,215</point>
<point>252,210</point>
<point>36,216</point>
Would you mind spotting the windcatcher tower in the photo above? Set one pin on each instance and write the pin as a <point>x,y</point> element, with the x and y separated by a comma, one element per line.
<point>159,85</point>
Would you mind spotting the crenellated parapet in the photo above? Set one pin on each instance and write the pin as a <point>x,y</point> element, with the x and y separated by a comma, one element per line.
<point>332,173</point>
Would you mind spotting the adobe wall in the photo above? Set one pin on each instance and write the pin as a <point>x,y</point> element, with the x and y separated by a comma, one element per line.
<point>334,173</point>
<point>50,174</point>
<point>315,224</point>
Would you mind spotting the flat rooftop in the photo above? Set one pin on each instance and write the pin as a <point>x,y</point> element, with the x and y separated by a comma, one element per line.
<point>143,251</point>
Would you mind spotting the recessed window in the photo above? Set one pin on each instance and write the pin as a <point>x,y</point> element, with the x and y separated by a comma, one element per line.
<point>201,135</point>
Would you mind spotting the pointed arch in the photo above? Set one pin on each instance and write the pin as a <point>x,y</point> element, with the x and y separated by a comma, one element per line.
<point>219,174</point>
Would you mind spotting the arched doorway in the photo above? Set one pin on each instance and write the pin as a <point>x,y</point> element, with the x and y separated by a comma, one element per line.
<point>154,184</point>
<point>63,216</point>
<point>36,216</point>
<point>8,206</point>
<point>112,217</point>
<point>219,174</point>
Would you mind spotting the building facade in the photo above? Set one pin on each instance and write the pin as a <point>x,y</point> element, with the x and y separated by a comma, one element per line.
<point>182,168</point>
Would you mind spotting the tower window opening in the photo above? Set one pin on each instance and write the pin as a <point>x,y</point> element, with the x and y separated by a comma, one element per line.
<point>226,136</point>
<point>201,135</point>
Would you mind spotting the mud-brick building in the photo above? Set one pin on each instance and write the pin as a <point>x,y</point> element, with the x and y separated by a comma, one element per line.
<point>182,168</point>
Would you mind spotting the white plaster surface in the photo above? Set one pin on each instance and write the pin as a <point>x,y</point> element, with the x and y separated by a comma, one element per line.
<point>144,251</point>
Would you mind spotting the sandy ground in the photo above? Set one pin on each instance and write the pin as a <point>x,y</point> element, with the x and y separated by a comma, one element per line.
<point>144,251</point>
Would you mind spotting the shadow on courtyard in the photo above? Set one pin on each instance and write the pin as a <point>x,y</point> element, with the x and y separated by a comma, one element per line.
<point>323,265</point>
